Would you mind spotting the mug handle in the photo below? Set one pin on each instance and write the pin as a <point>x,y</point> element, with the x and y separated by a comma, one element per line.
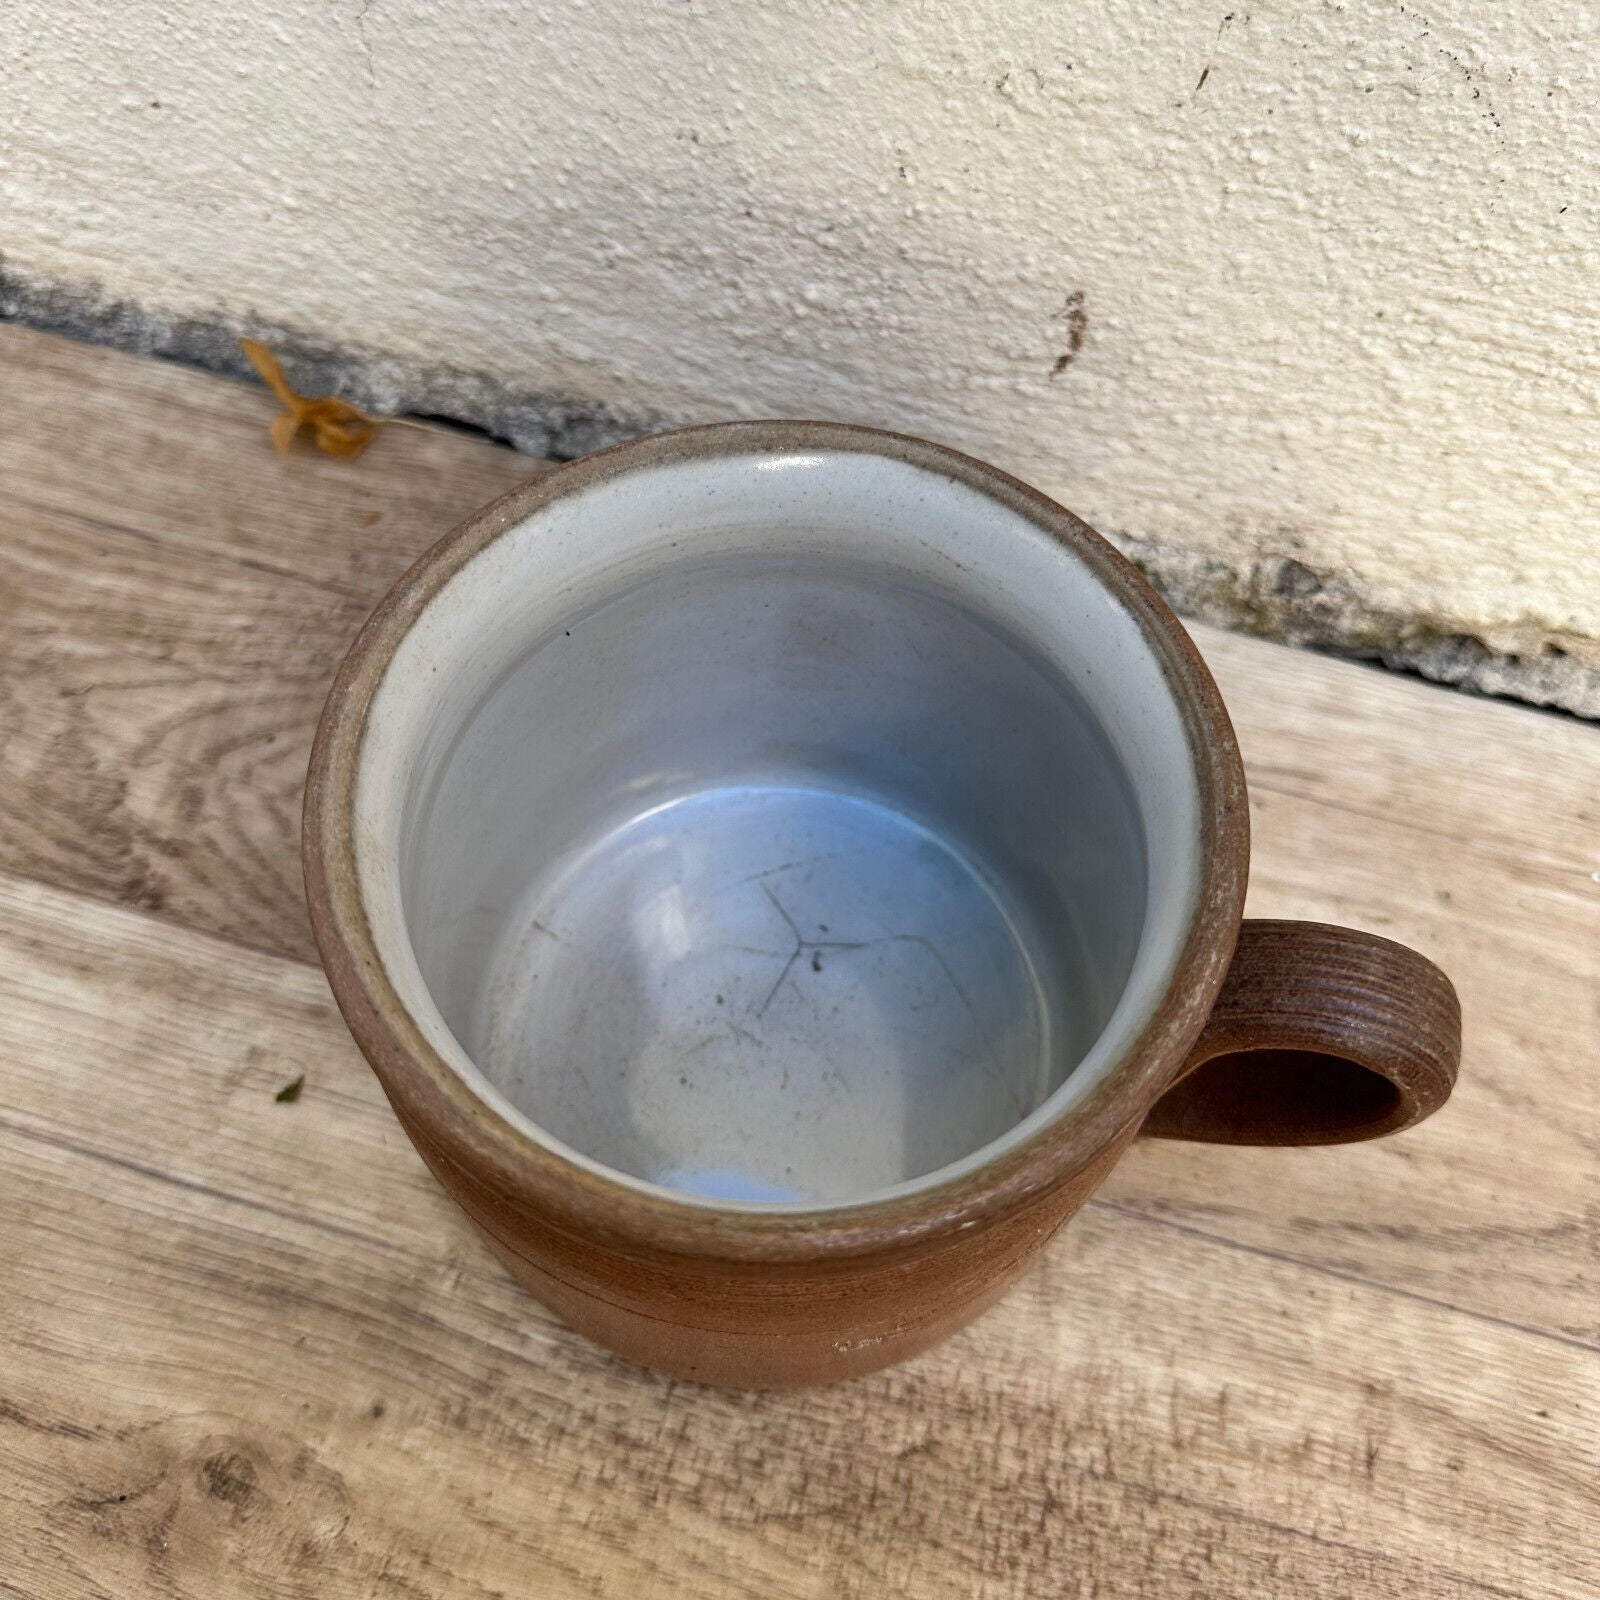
<point>1321,1035</point>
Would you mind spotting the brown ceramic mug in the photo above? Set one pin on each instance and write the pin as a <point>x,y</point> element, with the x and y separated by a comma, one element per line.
<point>775,869</point>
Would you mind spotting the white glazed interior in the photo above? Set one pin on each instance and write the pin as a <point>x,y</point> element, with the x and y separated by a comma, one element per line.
<point>777,829</point>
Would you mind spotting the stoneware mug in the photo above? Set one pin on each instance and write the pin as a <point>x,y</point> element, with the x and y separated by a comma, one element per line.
<point>775,869</point>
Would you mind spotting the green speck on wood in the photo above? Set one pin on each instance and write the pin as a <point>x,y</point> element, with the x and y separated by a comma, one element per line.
<point>290,1091</point>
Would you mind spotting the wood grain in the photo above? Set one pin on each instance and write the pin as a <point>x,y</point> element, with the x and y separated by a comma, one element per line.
<point>250,1349</point>
<point>157,713</point>
<point>170,619</point>
<point>176,457</point>
<point>1491,1205</point>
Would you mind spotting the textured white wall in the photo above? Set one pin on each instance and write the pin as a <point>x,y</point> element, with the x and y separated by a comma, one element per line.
<point>1327,274</point>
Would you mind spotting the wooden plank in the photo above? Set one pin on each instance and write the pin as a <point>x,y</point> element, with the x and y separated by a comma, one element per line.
<point>251,1350</point>
<point>1491,1204</point>
<point>174,599</point>
<point>158,710</point>
<point>1474,774</point>
<point>183,458</point>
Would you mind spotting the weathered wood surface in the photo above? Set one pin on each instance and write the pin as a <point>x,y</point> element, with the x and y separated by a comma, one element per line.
<point>248,1348</point>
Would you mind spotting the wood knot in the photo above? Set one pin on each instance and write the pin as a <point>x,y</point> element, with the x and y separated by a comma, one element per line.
<point>230,1477</point>
<point>206,1495</point>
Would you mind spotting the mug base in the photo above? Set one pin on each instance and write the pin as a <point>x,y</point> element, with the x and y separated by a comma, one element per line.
<point>769,993</point>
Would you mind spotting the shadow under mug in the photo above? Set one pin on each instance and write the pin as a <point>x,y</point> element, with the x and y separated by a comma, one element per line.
<point>775,869</point>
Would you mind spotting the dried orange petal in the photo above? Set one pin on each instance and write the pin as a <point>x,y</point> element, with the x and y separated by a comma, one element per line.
<point>339,428</point>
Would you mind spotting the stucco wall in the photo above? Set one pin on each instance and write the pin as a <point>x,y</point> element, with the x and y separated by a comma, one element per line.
<point>1299,302</point>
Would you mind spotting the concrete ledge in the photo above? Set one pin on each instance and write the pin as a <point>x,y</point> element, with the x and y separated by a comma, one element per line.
<point>534,421</point>
<point>1279,597</point>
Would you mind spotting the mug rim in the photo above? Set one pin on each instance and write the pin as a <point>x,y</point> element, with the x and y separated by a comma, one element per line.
<point>453,1126</point>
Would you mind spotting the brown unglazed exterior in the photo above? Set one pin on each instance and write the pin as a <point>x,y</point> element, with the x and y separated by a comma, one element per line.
<point>750,1297</point>
<point>751,1324</point>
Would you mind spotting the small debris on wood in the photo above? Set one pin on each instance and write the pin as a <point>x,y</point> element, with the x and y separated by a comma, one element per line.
<point>290,1092</point>
<point>339,428</point>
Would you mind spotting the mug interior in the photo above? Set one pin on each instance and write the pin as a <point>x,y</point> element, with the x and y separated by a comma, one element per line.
<point>776,827</point>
